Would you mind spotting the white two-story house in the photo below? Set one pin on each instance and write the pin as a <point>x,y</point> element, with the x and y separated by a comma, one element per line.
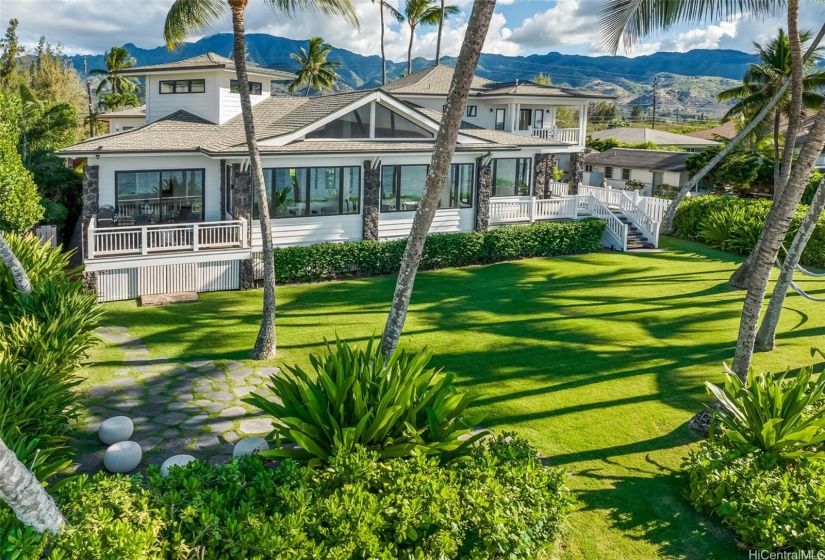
<point>169,206</point>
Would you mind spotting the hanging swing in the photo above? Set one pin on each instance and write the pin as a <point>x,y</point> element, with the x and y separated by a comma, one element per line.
<point>793,284</point>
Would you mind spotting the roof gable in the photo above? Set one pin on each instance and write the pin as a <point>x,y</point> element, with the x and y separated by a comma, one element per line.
<point>205,61</point>
<point>658,137</point>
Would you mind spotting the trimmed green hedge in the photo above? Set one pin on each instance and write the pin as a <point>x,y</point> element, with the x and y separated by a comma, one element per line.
<point>328,261</point>
<point>734,224</point>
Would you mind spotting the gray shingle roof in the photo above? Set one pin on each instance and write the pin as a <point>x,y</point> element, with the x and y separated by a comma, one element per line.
<point>205,61</point>
<point>656,160</point>
<point>436,80</point>
<point>658,137</point>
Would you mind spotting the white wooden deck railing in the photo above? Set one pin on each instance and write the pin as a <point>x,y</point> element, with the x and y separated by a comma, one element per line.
<point>566,135</point>
<point>158,238</point>
<point>526,209</point>
<point>559,189</point>
<point>655,207</point>
<point>634,207</point>
<point>616,228</point>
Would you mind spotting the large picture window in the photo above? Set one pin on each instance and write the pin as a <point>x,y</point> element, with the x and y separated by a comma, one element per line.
<point>389,124</point>
<point>182,86</point>
<point>355,124</point>
<point>402,187</point>
<point>511,177</point>
<point>312,191</point>
<point>148,197</point>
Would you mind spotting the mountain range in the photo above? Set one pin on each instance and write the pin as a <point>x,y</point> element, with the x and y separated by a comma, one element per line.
<point>687,82</point>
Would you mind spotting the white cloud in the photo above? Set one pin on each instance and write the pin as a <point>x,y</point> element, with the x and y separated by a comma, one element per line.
<point>568,22</point>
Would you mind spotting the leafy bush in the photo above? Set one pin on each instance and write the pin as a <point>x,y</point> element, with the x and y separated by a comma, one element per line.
<point>769,503</point>
<point>811,188</point>
<point>107,517</point>
<point>44,336</point>
<point>327,261</point>
<point>774,414</point>
<point>355,398</point>
<point>735,224</point>
<point>500,502</point>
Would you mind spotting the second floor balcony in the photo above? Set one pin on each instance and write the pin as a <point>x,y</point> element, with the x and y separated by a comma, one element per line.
<point>565,135</point>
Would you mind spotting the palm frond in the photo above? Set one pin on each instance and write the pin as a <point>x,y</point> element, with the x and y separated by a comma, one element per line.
<point>342,8</point>
<point>394,14</point>
<point>187,17</point>
<point>625,22</point>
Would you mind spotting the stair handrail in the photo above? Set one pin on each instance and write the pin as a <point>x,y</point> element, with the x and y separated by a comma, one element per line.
<point>639,218</point>
<point>616,227</point>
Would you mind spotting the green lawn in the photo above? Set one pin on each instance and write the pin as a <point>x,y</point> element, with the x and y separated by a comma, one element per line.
<point>599,360</point>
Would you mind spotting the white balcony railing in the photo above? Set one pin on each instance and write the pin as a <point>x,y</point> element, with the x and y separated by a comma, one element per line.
<point>566,135</point>
<point>164,238</point>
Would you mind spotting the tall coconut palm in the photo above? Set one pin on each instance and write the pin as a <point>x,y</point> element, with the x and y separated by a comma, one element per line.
<point>423,12</point>
<point>440,32</point>
<point>624,22</point>
<point>399,18</point>
<point>443,151</point>
<point>192,16</point>
<point>763,79</point>
<point>116,60</point>
<point>316,71</point>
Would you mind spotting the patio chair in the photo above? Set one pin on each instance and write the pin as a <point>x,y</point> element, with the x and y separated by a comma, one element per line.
<point>106,216</point>
<point>184,215</point>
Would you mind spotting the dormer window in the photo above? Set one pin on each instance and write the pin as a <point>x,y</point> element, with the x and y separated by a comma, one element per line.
<point>182,86</point>
<point>255,88</point>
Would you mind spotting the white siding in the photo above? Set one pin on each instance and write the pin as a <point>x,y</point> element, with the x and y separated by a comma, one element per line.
<point>212,175</point>
<point>397,224</point>
<point>121,124</point>
<point>230,103</point>
<point>307,231</point>
<point>131,283</point>
<point>205,105</point>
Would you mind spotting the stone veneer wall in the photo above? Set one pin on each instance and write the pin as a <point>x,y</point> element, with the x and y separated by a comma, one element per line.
<point>576,171</point>
<point>242,200</point>
<point>372,200</point>
<point>484,190</point>
<point>542,174</point>
<point>91,203</point>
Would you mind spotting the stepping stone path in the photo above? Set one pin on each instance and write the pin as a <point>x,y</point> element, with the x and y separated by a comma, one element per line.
<point>193,408</point>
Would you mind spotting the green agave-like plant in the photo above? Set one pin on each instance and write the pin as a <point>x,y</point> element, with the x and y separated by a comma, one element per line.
<point>773,413</point>
<point>395,407</point>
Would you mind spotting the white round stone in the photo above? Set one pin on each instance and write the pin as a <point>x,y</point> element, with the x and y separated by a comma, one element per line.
<point>115,430</point>
<point>175,461</point>
<point>122,457</point>
<point>249,445</point>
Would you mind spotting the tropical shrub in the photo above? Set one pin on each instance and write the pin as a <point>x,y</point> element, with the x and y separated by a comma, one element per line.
<point>500,502</point>
<point>735,224</point>
<point>326,261</point>
<point>811,188</point>
<point>44,336</point>
<point>773,413</point>
<point>354,397</point>
<point>769,502</point>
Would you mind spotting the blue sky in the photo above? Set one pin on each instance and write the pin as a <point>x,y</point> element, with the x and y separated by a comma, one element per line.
<point>518,27</point>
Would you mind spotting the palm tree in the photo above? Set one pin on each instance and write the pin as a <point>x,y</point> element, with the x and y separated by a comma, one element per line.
<point>398,17</point>
<point>441,19</point>
<point>316,71</point>
<point>443,151</point>
<point>19,488</point>
<point>116,60</point>
<point>422,12</point>
<point>192,16</point>
<point>116,101</point>
<point>763,80</point>
<point>628,20</point>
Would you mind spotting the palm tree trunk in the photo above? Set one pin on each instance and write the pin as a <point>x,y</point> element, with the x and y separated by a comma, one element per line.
<point>265,345</point>
<point>409,50</point>
<point>766,336</point>
<point>777,160</point>
<point>443,151</point>
<point>776,228</point>
<point>383,56</point>
<point>18,273</point>
<point>667,220</point>
<point>440,30</point>
<point>26,497</point>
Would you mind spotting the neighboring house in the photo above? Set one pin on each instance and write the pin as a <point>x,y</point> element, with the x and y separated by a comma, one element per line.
<point>177,209</point>
<point>658,137</point>
<point>651,167</point>
<point>127,119</point>
<point>724,131</point>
